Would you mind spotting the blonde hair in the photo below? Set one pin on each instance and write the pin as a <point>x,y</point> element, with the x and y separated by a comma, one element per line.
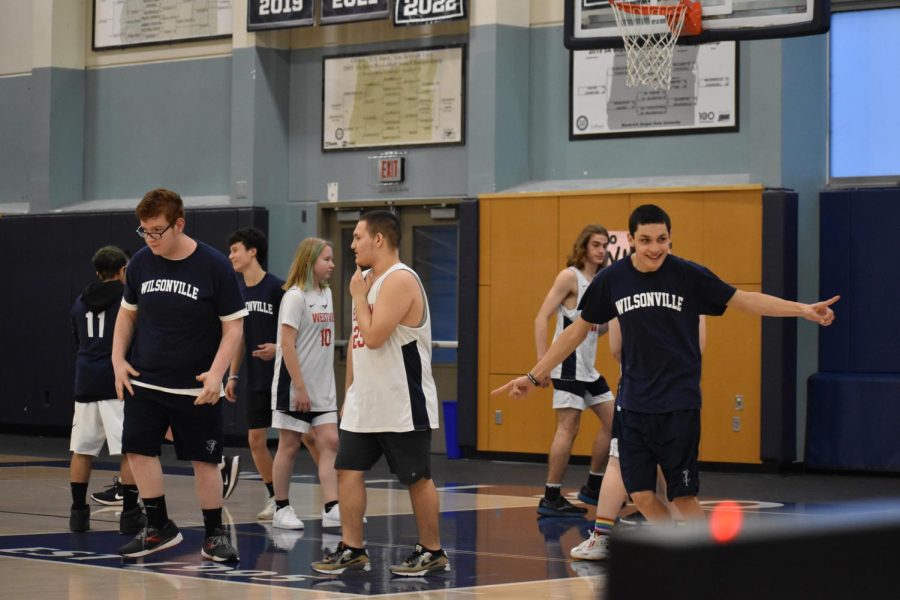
<point>579,248</point>
<point>301,272</point>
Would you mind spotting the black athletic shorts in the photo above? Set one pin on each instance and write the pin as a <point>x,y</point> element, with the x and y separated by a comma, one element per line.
<point>670,440</point>
<point>198,430</point>
<point>408,453</point>
<point>595,388</point>
<point>259,409</point>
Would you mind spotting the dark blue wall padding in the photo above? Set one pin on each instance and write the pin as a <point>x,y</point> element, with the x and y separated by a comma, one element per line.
<point>467,328</point>
<point>853,421</point>
<point>859,261</point>
<point>47,263</point>
<point>778,436</point>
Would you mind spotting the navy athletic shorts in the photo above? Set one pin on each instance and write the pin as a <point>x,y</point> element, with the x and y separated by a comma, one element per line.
<point>259,409</point>
<point>198,431</point>
<point>670,440</point>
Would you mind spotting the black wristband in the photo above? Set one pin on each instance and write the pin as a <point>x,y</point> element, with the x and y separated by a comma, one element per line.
<point>532,379</point>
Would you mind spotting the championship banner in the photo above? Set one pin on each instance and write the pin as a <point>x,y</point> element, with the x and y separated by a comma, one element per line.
<point>278,14</point>
<point>345,11</point>
<point>419,12</point>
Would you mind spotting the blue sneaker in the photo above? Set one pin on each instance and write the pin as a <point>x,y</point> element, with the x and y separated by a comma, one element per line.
<point>589,495</point>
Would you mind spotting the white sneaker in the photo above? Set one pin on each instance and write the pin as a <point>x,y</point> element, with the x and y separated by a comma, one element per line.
<point>596,547</point>
<point>268,511</point>
<point>286,518</point>
<point>332,518</point>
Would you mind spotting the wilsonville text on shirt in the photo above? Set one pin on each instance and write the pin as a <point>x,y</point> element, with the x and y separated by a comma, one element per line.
<point>170,285</point>
<point>649,299</point>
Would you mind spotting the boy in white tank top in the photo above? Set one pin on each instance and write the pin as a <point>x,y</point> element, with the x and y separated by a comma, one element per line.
<point>576,382</point>
<point>391,403</point>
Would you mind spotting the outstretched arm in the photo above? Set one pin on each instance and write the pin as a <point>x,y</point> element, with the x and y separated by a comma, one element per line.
<point>765,305</point>
<point>564,345</point>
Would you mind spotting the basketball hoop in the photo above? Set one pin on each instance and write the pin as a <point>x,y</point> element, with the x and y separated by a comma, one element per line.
<point>650,29</point>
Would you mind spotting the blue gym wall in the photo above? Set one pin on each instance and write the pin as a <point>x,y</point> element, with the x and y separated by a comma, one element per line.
<point>158,125</point>
<point>15,138</point>
<point>200,126</point>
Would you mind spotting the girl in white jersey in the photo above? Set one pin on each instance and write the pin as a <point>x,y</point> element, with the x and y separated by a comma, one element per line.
<point>576,382</point>
<point>303,390</point>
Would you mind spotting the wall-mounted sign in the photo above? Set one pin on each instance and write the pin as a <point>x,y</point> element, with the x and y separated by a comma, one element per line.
<point>121,23</point>
<point>391,169</point>
<point>277,14</point>
<point>419,12</point>
<point>703,97</point>
<point>344,11</point>
<point>393,99</point>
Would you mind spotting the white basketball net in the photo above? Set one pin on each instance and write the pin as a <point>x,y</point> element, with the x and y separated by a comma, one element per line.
<point>650,29</point>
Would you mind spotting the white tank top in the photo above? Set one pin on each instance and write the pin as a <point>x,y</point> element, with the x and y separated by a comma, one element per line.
<point>580,364</point>
<point>311,313</point>
<point>392,388</point>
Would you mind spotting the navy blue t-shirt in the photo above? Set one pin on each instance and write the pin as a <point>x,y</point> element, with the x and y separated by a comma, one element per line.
<point>260,327</point>
<point>93,321</point>
<point>659,315</point>
<point>180,305</point>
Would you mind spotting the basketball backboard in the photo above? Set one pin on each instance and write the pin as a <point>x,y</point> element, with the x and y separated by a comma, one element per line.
<point>590,24</point>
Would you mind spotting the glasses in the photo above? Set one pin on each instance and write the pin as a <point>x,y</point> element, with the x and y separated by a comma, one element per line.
<point>153,235</point>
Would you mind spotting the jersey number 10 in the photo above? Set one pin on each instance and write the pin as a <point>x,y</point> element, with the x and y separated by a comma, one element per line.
<point>326,337</point>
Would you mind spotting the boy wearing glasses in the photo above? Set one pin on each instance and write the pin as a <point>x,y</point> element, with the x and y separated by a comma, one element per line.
<point>182,317</point>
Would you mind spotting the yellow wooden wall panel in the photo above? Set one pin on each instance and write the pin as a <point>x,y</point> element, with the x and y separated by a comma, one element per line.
<point>523,253</point>
<point>484,243</point>
<point>732,366</point>
<point>484,345</point>
<point>527,424</point>
<point>732,238</point>
<point>575,212</point>
<point>524,243</point>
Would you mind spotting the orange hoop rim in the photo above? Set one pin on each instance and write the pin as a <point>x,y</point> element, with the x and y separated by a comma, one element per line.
<point>651,9</point>
<point>693,13</point>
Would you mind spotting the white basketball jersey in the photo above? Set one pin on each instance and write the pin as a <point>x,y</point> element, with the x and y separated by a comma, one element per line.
<point>392,389</point>
<point>311,313</point>
<point>580,364</point>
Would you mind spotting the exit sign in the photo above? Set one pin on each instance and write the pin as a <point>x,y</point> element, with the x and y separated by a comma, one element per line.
<point>390,169</point>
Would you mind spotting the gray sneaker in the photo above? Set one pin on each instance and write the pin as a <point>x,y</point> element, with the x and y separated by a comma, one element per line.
<point>217,548</point>
<point>341,560</point>
<point>422,562</point>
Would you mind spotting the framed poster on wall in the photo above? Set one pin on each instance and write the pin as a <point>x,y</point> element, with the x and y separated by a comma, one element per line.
<point>394,99</point>
<point>703,97</point>
<point>124,23</point>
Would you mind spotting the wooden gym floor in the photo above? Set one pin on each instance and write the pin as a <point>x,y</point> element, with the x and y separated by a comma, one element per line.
<point>497,545</point>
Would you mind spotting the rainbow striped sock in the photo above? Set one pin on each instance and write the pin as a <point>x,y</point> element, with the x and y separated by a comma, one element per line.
<point>603,526</point>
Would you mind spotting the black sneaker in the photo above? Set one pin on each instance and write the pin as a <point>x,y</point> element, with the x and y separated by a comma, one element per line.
<point>341,560</point>
<point>80,519</point>
<point>151,540</point>
<point>217,547</point>
<point>132,521</point>
<point>230,469</point>
<point>589,495</point>
<point>111,496</point>
<point>422,562</point>
<point>559,508</point>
